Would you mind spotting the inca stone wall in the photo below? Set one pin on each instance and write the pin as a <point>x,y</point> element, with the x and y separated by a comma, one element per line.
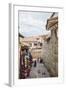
<point>50,54</point>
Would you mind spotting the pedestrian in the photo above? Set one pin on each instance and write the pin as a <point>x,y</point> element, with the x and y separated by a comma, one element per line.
<point>41,60</point>
<point>35,64</point>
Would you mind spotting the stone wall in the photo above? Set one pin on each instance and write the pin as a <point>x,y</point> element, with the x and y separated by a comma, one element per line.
<point>50,54</point>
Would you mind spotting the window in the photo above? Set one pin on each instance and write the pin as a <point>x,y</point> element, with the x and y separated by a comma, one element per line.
<point>40,44</point>
<point>35,44</point>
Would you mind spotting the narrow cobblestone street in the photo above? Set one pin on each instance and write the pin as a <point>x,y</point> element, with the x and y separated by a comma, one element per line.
<point>39,71</point>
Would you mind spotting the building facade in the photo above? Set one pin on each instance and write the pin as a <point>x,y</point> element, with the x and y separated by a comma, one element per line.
<point>34,43</point>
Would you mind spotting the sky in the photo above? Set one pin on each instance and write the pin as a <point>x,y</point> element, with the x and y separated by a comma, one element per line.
<point>33,23</point>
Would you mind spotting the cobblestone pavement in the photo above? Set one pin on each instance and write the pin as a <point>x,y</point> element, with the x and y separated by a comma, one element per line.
<point>39,71</point>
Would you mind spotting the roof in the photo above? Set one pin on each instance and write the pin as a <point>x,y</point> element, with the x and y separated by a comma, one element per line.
<point>52,23</point>
<point>21,35</point>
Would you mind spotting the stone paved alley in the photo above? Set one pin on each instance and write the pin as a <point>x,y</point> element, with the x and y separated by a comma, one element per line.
<point>39,71</point>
